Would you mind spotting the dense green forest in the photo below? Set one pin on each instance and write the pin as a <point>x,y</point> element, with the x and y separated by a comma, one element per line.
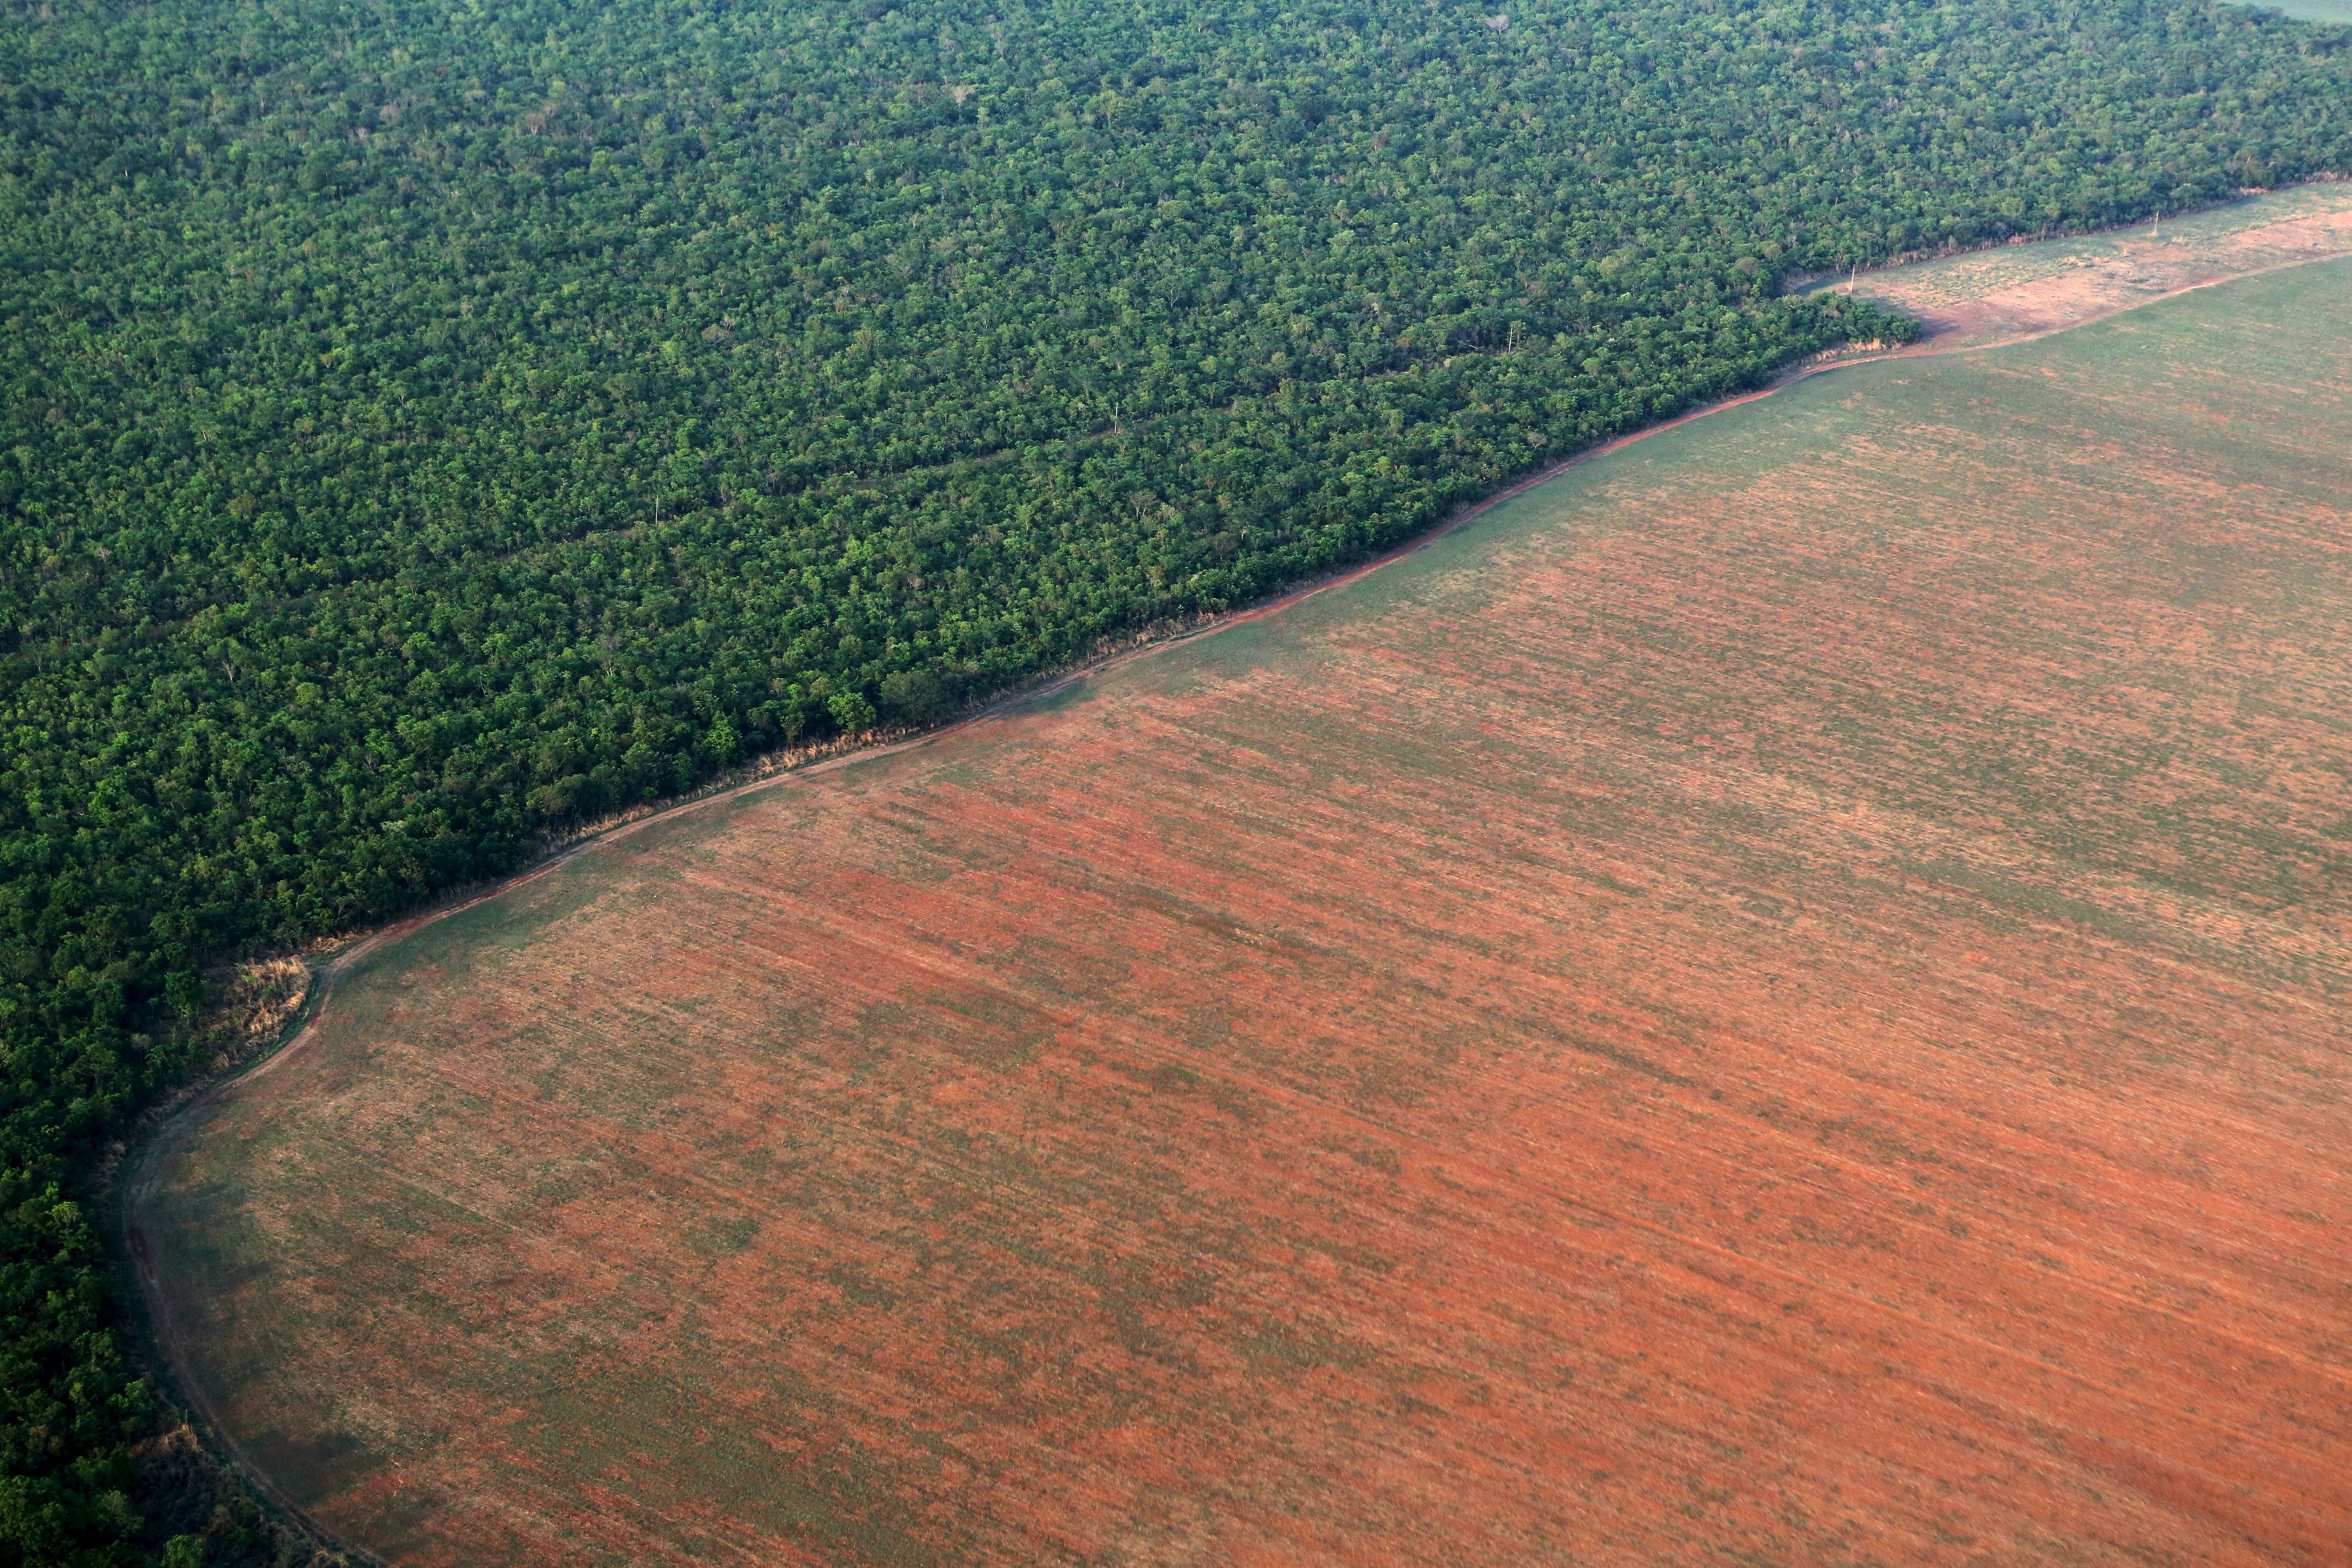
<point>426,422</point>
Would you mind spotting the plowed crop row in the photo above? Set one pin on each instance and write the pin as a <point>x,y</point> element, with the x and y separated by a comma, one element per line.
<point>1778,1000</point>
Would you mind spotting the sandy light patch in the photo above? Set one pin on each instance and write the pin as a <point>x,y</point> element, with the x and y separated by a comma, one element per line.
<point>2019,290</point>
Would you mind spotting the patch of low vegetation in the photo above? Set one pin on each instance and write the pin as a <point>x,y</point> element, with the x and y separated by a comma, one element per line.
<point>429,424</point>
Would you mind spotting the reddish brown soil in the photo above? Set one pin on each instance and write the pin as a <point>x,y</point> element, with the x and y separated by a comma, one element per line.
<point>1780,1000</point>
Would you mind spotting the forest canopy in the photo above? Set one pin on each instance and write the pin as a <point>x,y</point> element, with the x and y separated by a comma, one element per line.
<point>429,422</point>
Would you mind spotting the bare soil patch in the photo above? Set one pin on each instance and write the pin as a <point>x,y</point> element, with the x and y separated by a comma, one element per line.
<point>2017,291</point>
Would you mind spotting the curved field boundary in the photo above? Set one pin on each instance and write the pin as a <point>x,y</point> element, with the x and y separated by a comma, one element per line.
<point>170,1134</point>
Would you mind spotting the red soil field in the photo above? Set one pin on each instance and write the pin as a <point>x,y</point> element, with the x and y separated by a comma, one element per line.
<point>1778,1000</point>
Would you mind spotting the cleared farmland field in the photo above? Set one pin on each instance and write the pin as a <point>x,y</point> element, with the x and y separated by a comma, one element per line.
<point>1779,999</point>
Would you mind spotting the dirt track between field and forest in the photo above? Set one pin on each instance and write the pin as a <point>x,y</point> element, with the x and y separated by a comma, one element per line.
<point>167,1141</point>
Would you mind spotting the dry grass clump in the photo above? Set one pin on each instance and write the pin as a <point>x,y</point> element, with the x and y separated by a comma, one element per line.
<point>260,999</point>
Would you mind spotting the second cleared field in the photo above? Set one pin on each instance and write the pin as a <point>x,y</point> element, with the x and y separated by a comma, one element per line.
<point>1778,1000</point>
